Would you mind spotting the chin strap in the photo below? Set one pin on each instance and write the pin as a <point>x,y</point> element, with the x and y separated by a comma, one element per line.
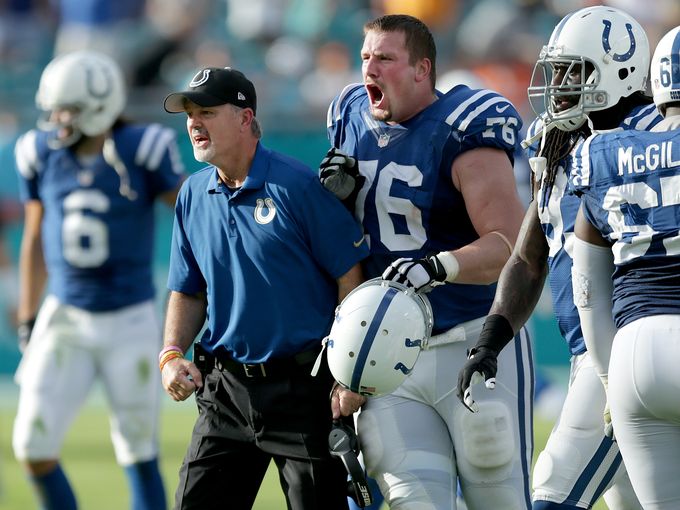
<point>343,443</point>
<point>114,161</point>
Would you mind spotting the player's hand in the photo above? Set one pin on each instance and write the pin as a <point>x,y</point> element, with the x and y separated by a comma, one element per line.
<point>24,332</point>
<point>606,414</point>
<point>339,174</point>
<point>482,365</point>
<point>418,274</point>
<point>345,402</point>
<point>608,427</point>
<point>181,378</point>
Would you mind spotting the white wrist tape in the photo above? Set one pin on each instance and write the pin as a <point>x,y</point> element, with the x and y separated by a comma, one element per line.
<point>450,263</point>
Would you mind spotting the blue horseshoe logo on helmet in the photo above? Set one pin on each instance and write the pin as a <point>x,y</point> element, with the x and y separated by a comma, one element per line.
<point>618,57</point>
<point>92,89</point>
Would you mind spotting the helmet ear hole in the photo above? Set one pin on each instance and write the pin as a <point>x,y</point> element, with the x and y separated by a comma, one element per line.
<point>369,350</point>
<point>623,73</point>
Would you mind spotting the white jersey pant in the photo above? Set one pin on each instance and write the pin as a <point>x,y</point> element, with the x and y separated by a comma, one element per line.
<point>69,349</point>
<point>418,440</point>
<point>644,397</point>
<point>579,463</point>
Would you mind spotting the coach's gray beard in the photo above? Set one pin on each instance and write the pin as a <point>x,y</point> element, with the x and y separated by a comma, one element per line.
<point>203,155</point>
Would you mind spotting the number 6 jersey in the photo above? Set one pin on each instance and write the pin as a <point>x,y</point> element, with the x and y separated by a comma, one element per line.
<point>408,205</point>
<point>98,225</point>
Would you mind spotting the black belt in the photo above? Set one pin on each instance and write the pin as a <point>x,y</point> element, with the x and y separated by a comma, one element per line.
<point>272,368</point>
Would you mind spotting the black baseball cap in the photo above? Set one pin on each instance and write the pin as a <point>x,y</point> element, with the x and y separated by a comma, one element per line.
<point>214,86</point>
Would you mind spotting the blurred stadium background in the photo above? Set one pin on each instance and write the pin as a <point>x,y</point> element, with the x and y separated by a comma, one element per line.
<point>299,54</point>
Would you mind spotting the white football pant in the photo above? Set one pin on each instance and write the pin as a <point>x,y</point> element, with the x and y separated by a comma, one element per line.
<point>69,349</point>
<point>419,439</point>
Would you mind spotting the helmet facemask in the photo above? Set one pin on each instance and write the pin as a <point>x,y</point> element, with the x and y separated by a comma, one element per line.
<point>595,57</point>
<point>62,123</point>
<point>565,89</point>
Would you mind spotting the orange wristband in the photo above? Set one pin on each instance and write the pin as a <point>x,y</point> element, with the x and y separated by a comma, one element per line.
<point>167,349</point>
<point>167,357</point>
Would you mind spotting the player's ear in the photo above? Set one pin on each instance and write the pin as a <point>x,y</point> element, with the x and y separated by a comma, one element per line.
<point>423,69</point>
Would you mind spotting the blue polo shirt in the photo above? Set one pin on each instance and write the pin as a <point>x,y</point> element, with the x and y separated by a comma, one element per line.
<point>267,256</point>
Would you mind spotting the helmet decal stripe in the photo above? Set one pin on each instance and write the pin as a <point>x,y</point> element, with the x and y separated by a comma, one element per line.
<point>373,328</point>
<point>559,27</point>
<point>675,62</point>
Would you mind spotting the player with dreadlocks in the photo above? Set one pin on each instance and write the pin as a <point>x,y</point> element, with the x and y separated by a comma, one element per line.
<point>594,71</point>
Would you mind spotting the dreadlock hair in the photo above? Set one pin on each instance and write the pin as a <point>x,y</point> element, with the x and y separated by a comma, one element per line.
<point>559,144</point>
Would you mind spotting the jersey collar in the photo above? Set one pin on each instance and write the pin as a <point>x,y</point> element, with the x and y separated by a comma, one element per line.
<point>257,173</point>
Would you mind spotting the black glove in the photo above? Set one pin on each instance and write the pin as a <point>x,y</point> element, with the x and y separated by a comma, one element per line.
<point>482,363</point>
<point>24,333</point>
<point>419,274</point>
<point>339,174</point>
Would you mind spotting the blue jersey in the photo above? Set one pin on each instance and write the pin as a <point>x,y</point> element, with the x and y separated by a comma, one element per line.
<point>97,241</point>
<point>267,256</point>
<point>630,186</point>
<point>408,206</point>
<point>557,213</point>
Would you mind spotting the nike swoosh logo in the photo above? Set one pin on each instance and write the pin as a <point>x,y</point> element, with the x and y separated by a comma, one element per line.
<point>501,109</point>
<point>358,243</point>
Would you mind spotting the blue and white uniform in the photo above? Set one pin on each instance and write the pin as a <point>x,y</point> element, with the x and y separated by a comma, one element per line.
<point>99,318</point>
<point>280,226</point>
<point>630,187</point>
<point>579,463</point>
<point>416,441</point>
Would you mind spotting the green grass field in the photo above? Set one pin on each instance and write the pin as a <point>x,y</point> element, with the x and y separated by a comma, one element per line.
<point>100,484</point>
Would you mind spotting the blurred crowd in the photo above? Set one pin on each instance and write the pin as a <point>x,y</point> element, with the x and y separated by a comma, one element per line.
<point>299,53</point>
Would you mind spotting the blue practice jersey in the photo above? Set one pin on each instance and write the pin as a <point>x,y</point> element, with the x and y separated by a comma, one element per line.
<point>267,256</point>
<point>408,206</point>
<point>630,186</point>
<point>98,243</point>
<point>557,213</point>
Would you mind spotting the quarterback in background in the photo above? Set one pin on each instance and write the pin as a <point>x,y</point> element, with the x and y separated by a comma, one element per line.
<point>629,182</point>
<point>89,181</point>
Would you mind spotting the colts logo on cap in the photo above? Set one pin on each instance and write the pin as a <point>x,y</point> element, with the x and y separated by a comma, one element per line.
<point>200,78</point>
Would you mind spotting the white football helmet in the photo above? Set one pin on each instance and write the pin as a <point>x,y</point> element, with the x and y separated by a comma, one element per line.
<point>89,83</point>
<point>595,56</point>
<point>666,70</point>
<point>377,335</point>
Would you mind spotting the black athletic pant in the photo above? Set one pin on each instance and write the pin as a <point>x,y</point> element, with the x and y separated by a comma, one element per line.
<point>243,423</point>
